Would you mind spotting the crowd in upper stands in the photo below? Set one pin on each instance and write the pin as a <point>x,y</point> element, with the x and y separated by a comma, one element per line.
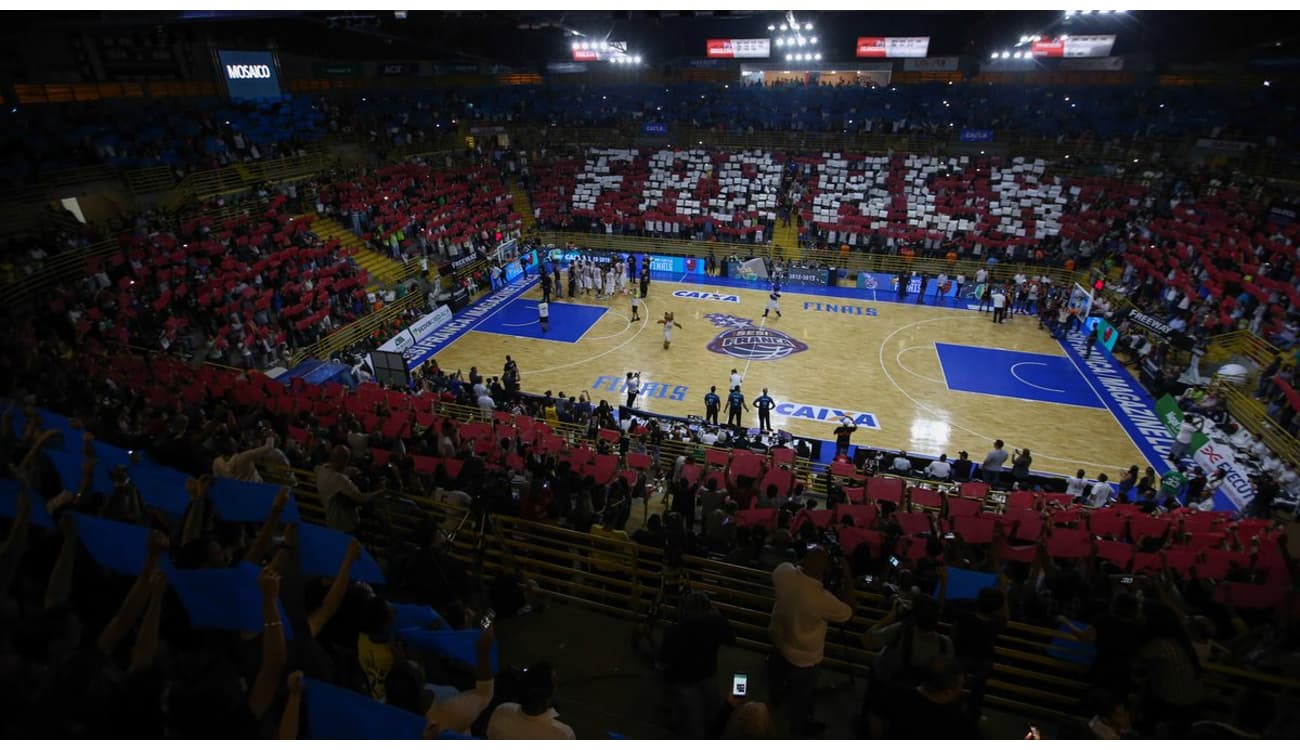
<point>193,134</point>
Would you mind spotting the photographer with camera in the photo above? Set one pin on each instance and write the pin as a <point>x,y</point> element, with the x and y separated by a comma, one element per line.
<point>803,608</point>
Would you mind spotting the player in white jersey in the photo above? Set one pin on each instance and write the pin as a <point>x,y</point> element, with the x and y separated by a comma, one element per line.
<point>667,322</point>
<point>610,284</point>
<point>579,273</point>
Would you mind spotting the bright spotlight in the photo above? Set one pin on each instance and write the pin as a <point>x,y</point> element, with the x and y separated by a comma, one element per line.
<point>779,41</point>
<point>802,41</point>
<point>818,56</point>
<point>788,58</point>
<point>575,45</point>
<point>807,27</point>
<point>770,27</point>
<point>783,27</point>
<point>813,40</point>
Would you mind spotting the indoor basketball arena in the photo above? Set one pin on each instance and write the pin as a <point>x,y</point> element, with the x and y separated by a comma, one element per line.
<point>649,374</point>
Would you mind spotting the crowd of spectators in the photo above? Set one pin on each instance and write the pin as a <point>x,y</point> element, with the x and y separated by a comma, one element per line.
<point>1191,587</point>
<point>184,135</point>
<point>191,134</point>
<point>1161,590</point>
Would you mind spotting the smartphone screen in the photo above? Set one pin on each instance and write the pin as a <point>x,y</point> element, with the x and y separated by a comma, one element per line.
<point>739,685</point>
<point>487,619</point>
<point>1126,580</point>
<point>893,561</point>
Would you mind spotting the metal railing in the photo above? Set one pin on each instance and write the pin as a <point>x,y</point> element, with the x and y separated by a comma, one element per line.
<point>355,331</point>
<point>1252,413</point>
<point>66,266</point>
<point>244,176</point>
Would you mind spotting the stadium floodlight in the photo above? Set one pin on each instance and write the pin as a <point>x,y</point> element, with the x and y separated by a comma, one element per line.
<point>575,45</point>
<point>807,27</point>
<point>994,56</point>
<point>813,40</point>
<point>818,56</point>
<point>779,41</point>
<point>784,27</point>
<point>771,27</point>
<point>788,58</point>
<point>637,59</point>
<point>802,41</point>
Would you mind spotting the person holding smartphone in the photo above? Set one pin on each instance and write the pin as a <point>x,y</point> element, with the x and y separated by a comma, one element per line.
<point>689,654</point>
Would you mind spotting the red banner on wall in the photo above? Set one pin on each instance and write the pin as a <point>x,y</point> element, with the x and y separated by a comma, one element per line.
<point>893,46</point>
<point>739,48</point>
<point>585,55</point>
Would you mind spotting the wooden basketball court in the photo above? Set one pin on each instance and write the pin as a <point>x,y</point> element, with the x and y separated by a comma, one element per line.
<point>924,378</point>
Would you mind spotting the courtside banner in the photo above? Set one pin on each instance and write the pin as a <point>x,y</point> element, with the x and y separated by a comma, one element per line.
<point>893,46</point>
<point>1092,45</point>
<point>735,49</point>
<point>418,331</point>
<point>1209,455</point>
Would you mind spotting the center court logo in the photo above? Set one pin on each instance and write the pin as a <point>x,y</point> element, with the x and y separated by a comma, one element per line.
<point>744,340</point>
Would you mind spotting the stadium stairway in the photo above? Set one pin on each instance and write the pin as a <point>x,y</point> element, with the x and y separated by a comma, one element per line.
<point>523,207</point>
<point>382,269</point>
<point>785,241</point>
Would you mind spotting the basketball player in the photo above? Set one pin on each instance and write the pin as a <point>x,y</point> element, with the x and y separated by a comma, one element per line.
<point>573,280</point>
<point>635,308</point>
<point>667,322</point>
<point>773,303</point>
<point>736,379</point>
<point>544,315</point>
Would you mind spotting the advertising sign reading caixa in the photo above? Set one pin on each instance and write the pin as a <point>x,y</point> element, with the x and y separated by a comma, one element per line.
<point>249,74</point>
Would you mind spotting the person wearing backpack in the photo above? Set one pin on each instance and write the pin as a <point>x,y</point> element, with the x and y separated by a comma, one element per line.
<point>907,640</point>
